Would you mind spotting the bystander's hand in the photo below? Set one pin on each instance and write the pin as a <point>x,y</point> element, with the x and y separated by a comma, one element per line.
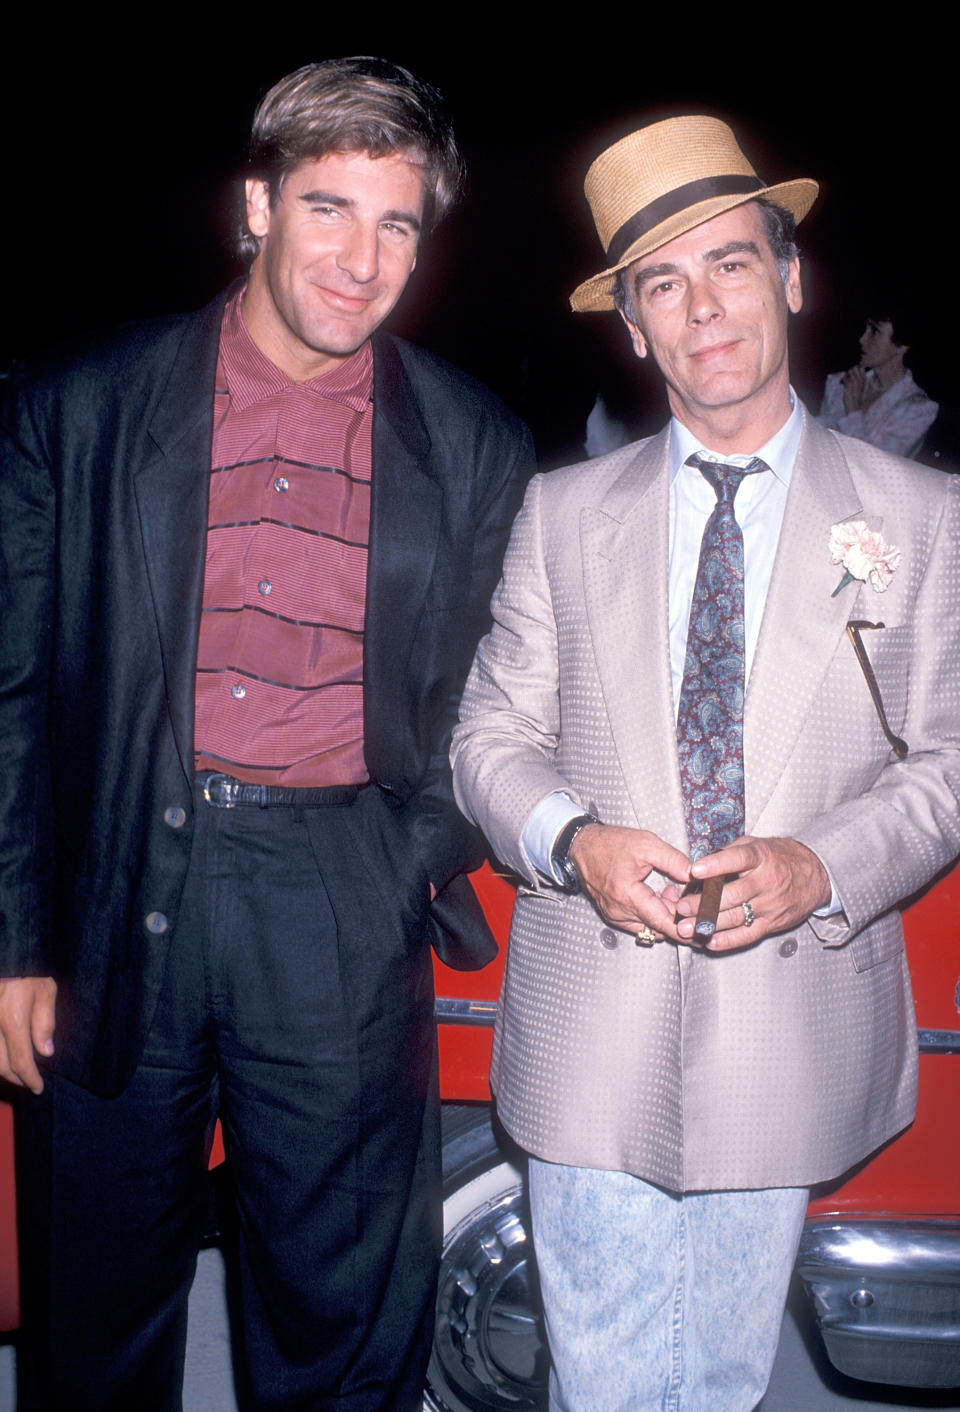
<point>859,391</point>
<point>613,865</point>
<point>27,1020</point>
<point>854,385</point>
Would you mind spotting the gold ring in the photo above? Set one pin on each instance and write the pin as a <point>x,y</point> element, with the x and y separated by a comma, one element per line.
<point>646,936</point>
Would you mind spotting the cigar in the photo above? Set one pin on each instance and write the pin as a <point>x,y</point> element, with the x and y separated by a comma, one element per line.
<point>709,909</point>
<point>709,890</point>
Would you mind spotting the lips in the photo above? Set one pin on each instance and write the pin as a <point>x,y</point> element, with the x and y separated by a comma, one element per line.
<point>348,303</point>
<point>714,350</point>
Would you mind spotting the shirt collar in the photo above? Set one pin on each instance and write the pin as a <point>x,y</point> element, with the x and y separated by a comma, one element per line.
<point>780,452</point>
<point>251,376</point>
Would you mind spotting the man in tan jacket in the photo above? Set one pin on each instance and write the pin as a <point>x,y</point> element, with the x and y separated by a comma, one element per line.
<point>670,694</point>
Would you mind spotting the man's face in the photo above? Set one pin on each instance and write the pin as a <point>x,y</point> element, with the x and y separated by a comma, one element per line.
<point>335,253</point>
<point>712,309</point>
<point>876,344</point>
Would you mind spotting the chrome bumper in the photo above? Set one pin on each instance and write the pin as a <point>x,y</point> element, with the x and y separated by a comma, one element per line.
<point>887,1297</point>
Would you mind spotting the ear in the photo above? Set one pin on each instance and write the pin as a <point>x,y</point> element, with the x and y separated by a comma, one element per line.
<point>636,337</point>
<point>258,206</point>
<point>793,288</point>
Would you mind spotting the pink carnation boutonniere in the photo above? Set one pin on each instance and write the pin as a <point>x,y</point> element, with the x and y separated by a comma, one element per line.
<point>863,555</point>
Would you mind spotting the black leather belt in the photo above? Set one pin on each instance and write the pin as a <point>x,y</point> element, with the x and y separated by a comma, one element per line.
<point>225,792</point>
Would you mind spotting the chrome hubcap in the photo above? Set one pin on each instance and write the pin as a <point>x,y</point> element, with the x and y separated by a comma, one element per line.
<point>489,1351</point>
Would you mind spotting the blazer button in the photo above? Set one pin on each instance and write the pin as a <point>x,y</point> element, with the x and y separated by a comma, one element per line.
<point>156,923</point>
<point>175,816</point>
<point>609,939</point>
<point>788,947</point>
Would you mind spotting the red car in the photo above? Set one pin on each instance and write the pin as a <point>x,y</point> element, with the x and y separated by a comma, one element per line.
<point>880,1256</point>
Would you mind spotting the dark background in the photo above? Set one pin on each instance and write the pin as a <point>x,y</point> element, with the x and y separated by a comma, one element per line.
<point>124,143</point>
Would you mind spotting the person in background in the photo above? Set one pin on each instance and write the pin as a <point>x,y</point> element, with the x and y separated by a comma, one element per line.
<point>877,399</point>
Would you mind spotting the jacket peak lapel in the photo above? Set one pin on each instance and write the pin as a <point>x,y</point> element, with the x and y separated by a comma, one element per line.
<point>405,516</point>
<point>172,493</point>
<point>624,549</point>
<point>802,620</point>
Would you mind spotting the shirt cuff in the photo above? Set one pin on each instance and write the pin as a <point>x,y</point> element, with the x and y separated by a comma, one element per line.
<point>833,906</point>
<point>543,828</point>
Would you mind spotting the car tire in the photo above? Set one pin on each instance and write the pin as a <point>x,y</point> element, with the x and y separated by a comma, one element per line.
<point>489,1351</point>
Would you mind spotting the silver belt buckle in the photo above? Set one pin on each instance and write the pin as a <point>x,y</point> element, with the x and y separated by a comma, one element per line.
<point>226,786</point>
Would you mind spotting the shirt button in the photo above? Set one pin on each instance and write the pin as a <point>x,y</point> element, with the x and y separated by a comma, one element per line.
<point>264,587</point>
<point>156,923</point>
<point>238,691</point>
<point>175,816</point>
<point>609,939</point>
<point>281,484</point>
<point>788,947</point>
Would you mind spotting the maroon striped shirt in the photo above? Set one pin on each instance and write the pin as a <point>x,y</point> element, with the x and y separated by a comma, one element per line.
<point>279,688</point>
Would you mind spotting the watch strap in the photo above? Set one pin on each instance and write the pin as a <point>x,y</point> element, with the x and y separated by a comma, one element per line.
<point>560,853</point>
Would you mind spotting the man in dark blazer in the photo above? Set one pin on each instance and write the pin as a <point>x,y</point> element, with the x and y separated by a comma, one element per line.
<point>246,557</point>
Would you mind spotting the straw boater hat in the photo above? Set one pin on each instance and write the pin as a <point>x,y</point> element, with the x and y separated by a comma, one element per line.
<point>662,181</point>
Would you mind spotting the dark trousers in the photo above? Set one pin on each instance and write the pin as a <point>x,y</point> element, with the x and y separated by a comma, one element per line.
<point>297,1006</point>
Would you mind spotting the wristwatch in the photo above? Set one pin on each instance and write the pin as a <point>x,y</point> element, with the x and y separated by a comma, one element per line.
<point>560,853</point>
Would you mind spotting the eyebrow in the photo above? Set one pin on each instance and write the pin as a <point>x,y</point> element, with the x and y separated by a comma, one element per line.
<point>709,257</point>
<point>330,198</point>
<point>402,218</point>
<point>734,247</point>
<point>652,272</point>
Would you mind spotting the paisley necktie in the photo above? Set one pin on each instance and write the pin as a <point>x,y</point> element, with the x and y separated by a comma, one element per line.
<point>710,717</point>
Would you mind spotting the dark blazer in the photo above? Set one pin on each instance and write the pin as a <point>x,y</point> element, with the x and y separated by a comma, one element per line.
<point>103,511</point>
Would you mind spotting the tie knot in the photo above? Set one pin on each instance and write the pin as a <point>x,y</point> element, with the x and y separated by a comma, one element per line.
<point>725,479</point>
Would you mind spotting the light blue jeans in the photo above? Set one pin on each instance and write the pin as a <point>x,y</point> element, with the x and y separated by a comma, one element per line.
<point>656,1302</point>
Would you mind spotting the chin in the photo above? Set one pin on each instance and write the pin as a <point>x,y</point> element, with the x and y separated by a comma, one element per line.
<point>336,342</point>
<point>724,392</point>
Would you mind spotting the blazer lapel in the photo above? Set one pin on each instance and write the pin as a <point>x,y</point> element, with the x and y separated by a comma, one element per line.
<point>172,495</point>
<point>624,551</point>
<point>802,622</point>
<point>405,515</point>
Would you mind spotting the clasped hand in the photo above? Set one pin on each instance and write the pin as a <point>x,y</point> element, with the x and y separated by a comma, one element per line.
<point>780,878</point>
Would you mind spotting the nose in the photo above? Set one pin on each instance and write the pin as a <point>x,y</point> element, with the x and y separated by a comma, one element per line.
<point>360,253</point>
<point>703,305</point>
